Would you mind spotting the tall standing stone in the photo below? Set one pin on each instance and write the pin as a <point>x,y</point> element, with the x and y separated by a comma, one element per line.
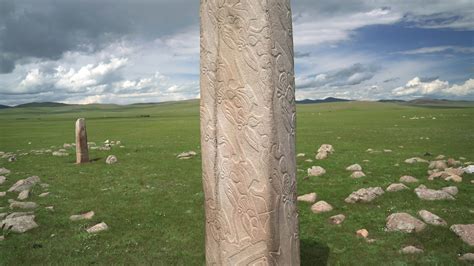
<point>248,120</point>
<point>82,152</point>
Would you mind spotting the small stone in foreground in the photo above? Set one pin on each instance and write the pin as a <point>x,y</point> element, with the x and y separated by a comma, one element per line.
<point>316,171</point>
<point>396,187</point>
<point>451,190</point>
<point>357,174</point>
<point>19,222</point>
<point>465,232</point>
<point>337,219</point>
<point>467,257</point>
<point>431,218</point>
<point>364,195</point>
<point>404,222</point>
<point>97,228</point>
<point>310,197</point>
<point>431,194</point>
<point>408,179</point>
<point>415,160</point>
<point>411,250</point>
<point>25,184</point>
<point>354,167</point>
<point>111,159</point>
<point>321,206</point>
<point>22,205</point>
<point>362,233</point>
<point>3,194</point>
<point>42,195</point>
<point>4,171</point>
<point>23,195</point>
<point>2,179</point>
<point>84,216</point>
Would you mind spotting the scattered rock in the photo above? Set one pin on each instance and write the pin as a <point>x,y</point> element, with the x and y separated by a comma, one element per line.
<point>3,215</point>
<point>49,208</point>
<point>42,195</point>
<point>415,160</point>
<point>431,218</point>
<point>60,153</point>
<point>453,162</point>
<point>84,216</point>
<point>2,179</point>
<point>439,164</point>
<point>440,157</point>
<point>337,219</point>
<point>362,233</point>
<point>451,190</point>
<point>465,232</point>
<point>186,155</point>
<point>354,167</point>
<point>467,257</point>
<point>111,159</point>
<point>396,187</point>
<point>411,250</point>
<point>387,150</point>
<point>364,195</point>
<point>357,174</point>
<point>2,238</point>
<point>22,205</point>
<point>321,155</point>
<point>430,194</point>
<point>23,195</point>
<point>311,197</point>
<point>3,194</point>
<point>321,206</point>
<point>11,159</point>
<point>404,222</point>
<point>19,222</point>
<point>97,228</point>
<point>469,169</point>
<point>301,155</point>
<point>308,160</point>
<point>25,184</point>
<point>316,171</point>
<point>4,171</point>
<point>408,179</point>
<point>324,151</point>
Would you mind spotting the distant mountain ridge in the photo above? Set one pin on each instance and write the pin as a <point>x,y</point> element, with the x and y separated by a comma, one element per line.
<point>41,104</point>
<point>326,100</point>
<point>4,106</point>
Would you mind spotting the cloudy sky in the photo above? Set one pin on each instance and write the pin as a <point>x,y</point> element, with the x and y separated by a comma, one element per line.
<point>127,51</point>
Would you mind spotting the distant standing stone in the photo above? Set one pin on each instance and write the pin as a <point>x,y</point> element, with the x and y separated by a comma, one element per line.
<point>82,152</point>
<point>111,159</point>
<point>97,228</point>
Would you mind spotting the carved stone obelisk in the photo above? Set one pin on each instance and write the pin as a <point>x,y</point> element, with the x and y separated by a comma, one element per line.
<point>248,132</point>
<point>82,151</point>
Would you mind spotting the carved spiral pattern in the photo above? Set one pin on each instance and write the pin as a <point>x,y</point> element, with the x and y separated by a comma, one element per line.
<point>248,120</point>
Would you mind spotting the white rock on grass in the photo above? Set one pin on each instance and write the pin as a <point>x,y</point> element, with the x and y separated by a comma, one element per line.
<point>3,194</point>
<point>19,222</point>
<point>425,193</point>
<point>111,159</point>
<point>337,219</point>
<point>364,195</point>
<point>42,195</point>
<point>25,184</point>
<point>354,167</point>
<point>186,155</point>
<point>301,155</point>
<point>2,179</point>
<point>362,233</point>
<point>23,195</point>
<point>408,179</point>
<point>431,218</point>
<point>415,160</point>
<point>316,171</point>
<point>310,197</point>
<point>321,206</point>
<point>438,164</point>
<point>465,232</point>
<point>411,250</point>
<point>467,257</point>
<point>60,153</point>
<point>357,174</point>
<point>83,216</point>
<point>324,151</point>
<point>403,222</point>
<point>396,187</point>
<point>4,171</point>
<point>22,205</point>
<point>97,228</point>
<point>451,190</point>
<point>469,169</point>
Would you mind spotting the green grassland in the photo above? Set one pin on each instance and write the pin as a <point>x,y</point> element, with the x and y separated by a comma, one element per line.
<point>153,203</point>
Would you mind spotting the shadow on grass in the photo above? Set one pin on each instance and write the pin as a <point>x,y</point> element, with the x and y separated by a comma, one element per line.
<point>313,252</point>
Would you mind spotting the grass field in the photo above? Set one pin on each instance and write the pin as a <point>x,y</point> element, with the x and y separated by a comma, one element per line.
<point>153,203</point>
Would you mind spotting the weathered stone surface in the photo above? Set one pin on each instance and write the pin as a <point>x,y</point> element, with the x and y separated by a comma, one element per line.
<point>3,215</point>
<point>4,171</point>
<point>337,219</point>
<point>362,233</point>
<point>22,205</point>
<point>357,174</point>
<point>431,218</point>
<point>3,194</point>
<point>431,194</point>
<point>469,169</point>
<point>467,257</point>
<point>396,187</point>
<point>324,151</point>
<point>451,190</point>
<point>60,153</point>
<point>321,155</point>
<point>321,206</point>
<point>408,179</point>
<point>465,232</point>
<point>2,179</point>
<point>82,149</point>
<point>415,160</point>
<point>111,159</point>
<point>97,228</point>
<point>23,195</point>
<point>83,216</point>
<point>411,250</point>
<point>19,222</point>
<point>364,195</point>
<point>300,155</point>
<point>439,164</point>
<point>404,222</point>
<point>42,195</point>
<point>453,162</point>
<point>310,197</point>
<point>316,171</point>
<point>354,167</point>
<point>186,155</point>
<point>440,157</point>
<point>25,184</point>
<point>248,128</point>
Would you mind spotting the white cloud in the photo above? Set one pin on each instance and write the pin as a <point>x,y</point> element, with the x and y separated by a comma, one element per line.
<point>416,87</point>
<point>439,49</point>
